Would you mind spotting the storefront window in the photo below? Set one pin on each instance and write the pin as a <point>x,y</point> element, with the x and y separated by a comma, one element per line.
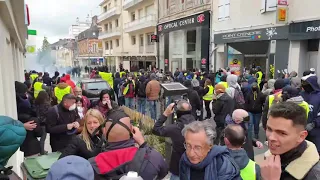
<point>161,52</point>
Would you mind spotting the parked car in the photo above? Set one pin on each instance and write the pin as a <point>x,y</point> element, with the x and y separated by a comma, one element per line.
<point>91,88</point>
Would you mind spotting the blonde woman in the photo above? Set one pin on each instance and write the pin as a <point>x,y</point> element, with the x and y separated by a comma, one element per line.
<point>85,145</point>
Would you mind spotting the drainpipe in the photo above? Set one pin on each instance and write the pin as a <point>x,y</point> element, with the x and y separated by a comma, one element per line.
<point>157,43</point>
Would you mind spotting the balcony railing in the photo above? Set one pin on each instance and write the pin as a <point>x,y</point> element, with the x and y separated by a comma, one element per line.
<point>110,33</point>
<point>144,22</point>
<point>130,3</point>
<point>178,7</point>
<point>110,13</point>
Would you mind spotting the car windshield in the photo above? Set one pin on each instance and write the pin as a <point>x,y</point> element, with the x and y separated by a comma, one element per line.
<point>97,85</point>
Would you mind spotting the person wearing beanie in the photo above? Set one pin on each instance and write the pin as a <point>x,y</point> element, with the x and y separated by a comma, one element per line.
<point>272,99</point>
<point>296,83</point>
<point>71,168</point>
<point>221,107</point>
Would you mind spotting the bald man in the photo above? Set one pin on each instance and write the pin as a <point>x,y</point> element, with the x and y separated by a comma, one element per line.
<point>234,139</point>
<point>121,155</point>
<point>78,93</point>
<point>184,117</point>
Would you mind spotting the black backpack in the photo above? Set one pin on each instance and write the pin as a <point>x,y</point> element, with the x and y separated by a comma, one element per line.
<point>142,89</point>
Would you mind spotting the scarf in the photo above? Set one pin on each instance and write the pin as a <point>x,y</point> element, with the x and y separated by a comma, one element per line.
<point>293,154</point>
<point>218,165</point>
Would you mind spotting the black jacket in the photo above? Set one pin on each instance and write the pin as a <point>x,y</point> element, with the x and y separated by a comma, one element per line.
<point>31,144</point>
<point>141,88</point>
<point>194,101</point>
<point>221,108</point>
<point>174,132</point>
<point>79,148</point>
<point>57,127</point>
<point>47,80</point>
<point>200,92</point>
<point>254,104</point>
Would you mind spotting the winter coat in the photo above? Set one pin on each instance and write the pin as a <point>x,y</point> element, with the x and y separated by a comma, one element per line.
<point>174,132</point>
<point>57,126</point>
<point>69,81</point>
<point>141,87</point>
<point>153,90</point>
<point>241,158</point>
<point>79,148</point>
<point>12,135</point>
<point>114,161</point>
<point>254,101</point>
<point>270,87</point>
<point>305,167</point>
<point>31,144</point>
<point>194,100</point>
<point>47,80</point>
<point>200,92</point>
<point>41,111</point>
<point>223,106</point>
<point>313,99</point>
<point>104,109</point>
<point>116,82</point>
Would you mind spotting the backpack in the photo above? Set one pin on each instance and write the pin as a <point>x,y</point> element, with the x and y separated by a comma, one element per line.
<point>142,89</point>
<point>38,167</point>
<point>239,99</point>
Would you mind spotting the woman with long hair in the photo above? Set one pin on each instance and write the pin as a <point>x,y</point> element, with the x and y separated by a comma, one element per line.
<point>105,104</point>
<point>87,144</point>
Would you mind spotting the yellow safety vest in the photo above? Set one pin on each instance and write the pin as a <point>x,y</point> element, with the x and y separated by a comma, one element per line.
<point>259,79</point>
<point>209,95</point>
<point>225,84</point>
<point>33,76</point>
<point>201,77</point>
<point>185,74</point>
<point>304,104</point>
<point>37,88</point>
<point>126,89</point>
<point>122,73</point>
<point>59,93</point>
<point>249,172</point>
<point>107,77</point>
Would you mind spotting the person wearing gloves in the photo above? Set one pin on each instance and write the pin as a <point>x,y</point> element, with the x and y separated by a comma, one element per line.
<point>311,94</point>
<point>105,104</point>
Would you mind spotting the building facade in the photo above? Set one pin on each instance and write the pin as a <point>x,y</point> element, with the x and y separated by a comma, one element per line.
<point>89,52</point>
<point>13,34</point>
<point>79,27</point>
<point>279,33</point>
<point>184,34</point>
<point>127,27</point>
<point>64,52</point>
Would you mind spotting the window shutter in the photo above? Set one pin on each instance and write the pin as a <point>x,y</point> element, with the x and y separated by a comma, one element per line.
<point>263,6</point>
<point>221,10</point>
<point>227,9</point>
<point>271,5</point>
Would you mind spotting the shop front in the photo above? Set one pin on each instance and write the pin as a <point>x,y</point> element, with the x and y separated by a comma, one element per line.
<point>254,47</point>
<point>184,43</point>
<point>304,46</point>
<point>136,63</point>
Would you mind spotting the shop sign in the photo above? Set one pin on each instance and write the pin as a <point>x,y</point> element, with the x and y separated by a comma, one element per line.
<point>154,38</point>
<point>283,2</point>
<point>282,14</point>
<point>279,32</point>
<point>191,21</point>
<point>166,62</point>
<point>304,30</point>
<point>235,67</point>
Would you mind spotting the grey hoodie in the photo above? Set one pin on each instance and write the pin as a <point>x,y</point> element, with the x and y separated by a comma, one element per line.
<point>241,158</point>
<point>268,90</point>
<point>232,81</point>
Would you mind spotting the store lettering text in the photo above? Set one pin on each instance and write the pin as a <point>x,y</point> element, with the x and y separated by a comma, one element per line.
<point>179,23</point>
<point>241,34</point>
<point>313,29</point>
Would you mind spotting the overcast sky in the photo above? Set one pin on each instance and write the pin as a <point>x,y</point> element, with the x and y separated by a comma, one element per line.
<point>52,18</point>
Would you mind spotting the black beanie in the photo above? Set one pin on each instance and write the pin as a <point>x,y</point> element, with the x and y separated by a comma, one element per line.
<point>20,87</point>
<point>187,84</point>
<point>116,115</point>
<point>279,84</point>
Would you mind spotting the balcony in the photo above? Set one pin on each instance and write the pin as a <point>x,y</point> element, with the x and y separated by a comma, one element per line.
<point>108,14</point>
<point>127,4</point>
<point>178,7</point>
<point>110,33</point>
<point>150,49</point>
<point>142,23</point>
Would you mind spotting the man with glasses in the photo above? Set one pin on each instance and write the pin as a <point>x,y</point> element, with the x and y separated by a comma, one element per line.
<point>203,160</point>
<point>78,93</point>
<point>184,116</point>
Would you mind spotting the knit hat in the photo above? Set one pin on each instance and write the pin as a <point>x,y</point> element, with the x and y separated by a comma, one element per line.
<point>279,84</point>
<point>71,168</point>
<point>239,114</point>
<point>187,83</point>
<point>195,83</point>
<point>20,87</point>
<point>219,88</point>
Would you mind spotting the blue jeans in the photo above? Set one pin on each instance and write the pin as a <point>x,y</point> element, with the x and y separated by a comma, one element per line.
<point>174,177</point>
<point>153,109</point>
<point>129,102</point>
<point>142,105</point>
<point>254,121</point>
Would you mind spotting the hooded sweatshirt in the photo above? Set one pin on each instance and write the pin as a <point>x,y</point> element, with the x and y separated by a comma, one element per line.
<point>217,165</point>
<point>254,100</point>
<point>268,90</point>
<point>69,81</point>
<point>241,158</point>
<point>232,81</point>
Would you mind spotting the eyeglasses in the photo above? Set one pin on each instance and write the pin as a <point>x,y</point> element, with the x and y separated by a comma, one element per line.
<point>196,149</point>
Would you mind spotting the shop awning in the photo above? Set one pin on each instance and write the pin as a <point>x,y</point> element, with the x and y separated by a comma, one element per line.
<point>257,47</point>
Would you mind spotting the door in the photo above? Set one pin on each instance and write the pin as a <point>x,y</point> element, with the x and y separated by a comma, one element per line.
<point>175,63</point>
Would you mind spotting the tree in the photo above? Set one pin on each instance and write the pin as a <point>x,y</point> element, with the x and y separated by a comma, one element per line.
<point>45,44</point>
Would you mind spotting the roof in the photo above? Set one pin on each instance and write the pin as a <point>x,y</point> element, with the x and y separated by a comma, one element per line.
<point>91,33</point>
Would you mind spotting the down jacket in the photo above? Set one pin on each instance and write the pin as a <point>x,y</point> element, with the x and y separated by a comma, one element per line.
<point>12,135</point>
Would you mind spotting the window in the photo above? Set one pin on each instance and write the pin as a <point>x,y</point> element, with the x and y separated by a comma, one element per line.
<point>94,48</point>
<point>117,22</point>
<point>109,5</point>
<point>191,40</point>
<point>117,43</point>
<point>133,40</point>
<point>110,25</point>
<point>168,4</point>
<point>149,39</point>
<point>150,10</point>
<point>105,9</point>
<point>141,40</point>
<point>115,2</point>
<point>111,45</point>
<point>106,44</point>
<point>224,10</point>
<point>106,27</point>
<point>182,1</point>
<point>268,5</point>
<point>133,16</point>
